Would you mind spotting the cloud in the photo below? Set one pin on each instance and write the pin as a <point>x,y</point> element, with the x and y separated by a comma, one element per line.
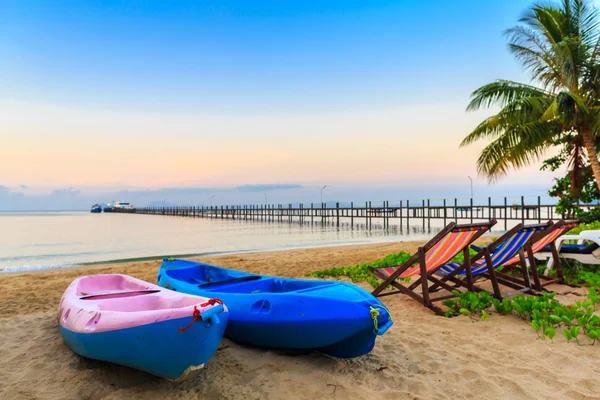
<point>75,199</point>
<point>23,186</point>
<point>82,199</point>
<point>262,188</point>
<point>65,193</point>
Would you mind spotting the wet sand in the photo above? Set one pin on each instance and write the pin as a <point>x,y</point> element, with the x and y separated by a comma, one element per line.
<point>422,356</point>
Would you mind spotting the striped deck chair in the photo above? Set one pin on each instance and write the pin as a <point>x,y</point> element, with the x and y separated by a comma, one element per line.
<point>508,249</point>
<point>536,244</point>
<point>439,250</point>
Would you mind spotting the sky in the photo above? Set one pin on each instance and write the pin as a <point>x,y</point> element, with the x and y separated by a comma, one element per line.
<point>171,98</point>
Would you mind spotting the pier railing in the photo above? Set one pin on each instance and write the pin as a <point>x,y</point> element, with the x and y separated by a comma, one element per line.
<point>375,213</point>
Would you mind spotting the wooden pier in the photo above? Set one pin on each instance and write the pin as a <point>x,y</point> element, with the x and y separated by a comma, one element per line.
<point>369,214</point>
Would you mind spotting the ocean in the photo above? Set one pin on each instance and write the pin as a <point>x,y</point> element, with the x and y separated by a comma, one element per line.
<point>42,240</point>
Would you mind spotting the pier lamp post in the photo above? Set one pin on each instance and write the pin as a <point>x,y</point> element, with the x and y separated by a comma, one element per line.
<point>471,185</point>
<point>322,193</point>
<point>266,201</point>
<point>211,197</point>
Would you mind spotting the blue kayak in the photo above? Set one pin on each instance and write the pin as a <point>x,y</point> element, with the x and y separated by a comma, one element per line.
<point>336,318</point>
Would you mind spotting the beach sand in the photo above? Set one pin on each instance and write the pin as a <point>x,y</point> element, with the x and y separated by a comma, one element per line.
<point>423,356</point>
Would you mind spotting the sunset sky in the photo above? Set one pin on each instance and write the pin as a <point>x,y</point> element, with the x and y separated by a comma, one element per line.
<point>111,95</point>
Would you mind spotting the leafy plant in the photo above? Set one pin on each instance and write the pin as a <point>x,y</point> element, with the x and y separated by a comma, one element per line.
<point>468,303</point>
<point>544,313</point>
<point>360,272</point>
<point>594,225</point>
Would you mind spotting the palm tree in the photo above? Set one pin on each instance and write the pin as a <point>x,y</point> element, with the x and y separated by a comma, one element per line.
<point>560,45</point>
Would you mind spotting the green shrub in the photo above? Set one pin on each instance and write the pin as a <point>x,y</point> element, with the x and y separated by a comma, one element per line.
<point>544,313</point>
<point>468,303</point>
<point>587,225</point>
<point>358,273</point>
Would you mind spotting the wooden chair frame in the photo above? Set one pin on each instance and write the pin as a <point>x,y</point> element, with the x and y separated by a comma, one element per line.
<point>428,276</point>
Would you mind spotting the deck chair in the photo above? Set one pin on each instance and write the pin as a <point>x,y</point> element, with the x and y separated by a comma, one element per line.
<point>514,250</point>
<point>508,249</point>
<point>434,254</point>
<point>538,243</point>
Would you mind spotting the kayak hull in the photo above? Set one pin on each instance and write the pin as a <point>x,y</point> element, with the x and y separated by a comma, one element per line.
<point>336,318</point>
<point>158,349</point>
<point>126,321</point>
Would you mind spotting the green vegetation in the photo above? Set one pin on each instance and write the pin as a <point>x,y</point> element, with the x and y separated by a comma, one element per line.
<point>359,273</point>
<point>572,189</point>
<point>468,303</point>
<point>587,226</point>
<point>544,313</point>
<point>559,44</point>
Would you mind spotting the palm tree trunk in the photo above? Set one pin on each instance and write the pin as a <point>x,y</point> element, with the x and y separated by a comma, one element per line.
<point>590,146</point>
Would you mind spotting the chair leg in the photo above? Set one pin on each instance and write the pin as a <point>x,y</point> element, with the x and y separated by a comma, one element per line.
<point>524,271</point>
<point>467,263</point>
<point>533,266</point>
<point>424,283</point>
<point>557,263</point>
<point>492,273</point>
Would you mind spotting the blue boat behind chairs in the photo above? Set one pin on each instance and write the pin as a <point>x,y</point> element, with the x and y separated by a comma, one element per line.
<point>336,318</point>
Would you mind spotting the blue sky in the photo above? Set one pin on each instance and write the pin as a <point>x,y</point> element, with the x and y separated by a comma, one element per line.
<point>105,96</point>
<point>263,57</point>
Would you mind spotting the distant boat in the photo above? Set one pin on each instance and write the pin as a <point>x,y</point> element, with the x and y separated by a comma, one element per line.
<point>96,208</point>
<point>120,204</point>
<point>117,206</point>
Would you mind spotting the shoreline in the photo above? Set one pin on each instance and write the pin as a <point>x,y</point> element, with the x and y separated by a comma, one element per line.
<point>194,256</point>
<point>42,268</point>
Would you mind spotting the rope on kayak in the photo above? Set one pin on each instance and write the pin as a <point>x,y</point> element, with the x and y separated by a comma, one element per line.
<point>211,302</point>
<point>196,314</point>
<point>374,315</point>
<point>374,311</point>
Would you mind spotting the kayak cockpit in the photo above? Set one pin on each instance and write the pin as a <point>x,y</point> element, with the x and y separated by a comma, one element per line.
<point>146,303</point>
<point>261,284</point>
<point>200,274</point>
<point>105,284</point>
<point>117,294</point>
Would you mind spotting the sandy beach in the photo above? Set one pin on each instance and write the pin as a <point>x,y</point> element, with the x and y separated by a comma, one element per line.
<point>423,356</point>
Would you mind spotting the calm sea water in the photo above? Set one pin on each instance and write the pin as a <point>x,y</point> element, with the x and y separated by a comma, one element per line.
<point>38,240</point>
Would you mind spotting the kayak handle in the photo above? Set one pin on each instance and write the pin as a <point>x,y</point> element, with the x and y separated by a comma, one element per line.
<point>212,314</point>
<point>383,329</point>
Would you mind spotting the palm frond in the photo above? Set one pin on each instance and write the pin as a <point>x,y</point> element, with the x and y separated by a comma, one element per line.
<point>559,44</point>
<point>515,149</point>
<point>502,92</point>
<point>518,112</point>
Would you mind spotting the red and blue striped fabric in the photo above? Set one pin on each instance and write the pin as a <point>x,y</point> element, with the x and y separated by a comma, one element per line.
<point>502,255</point>
<point>443,251</point>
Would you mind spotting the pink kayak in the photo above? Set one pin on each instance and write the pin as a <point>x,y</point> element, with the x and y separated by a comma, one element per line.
<point>127,321</point>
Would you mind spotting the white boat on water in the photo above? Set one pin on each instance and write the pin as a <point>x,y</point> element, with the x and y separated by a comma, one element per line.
<point>121,204</point>
<point>118,205</point>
